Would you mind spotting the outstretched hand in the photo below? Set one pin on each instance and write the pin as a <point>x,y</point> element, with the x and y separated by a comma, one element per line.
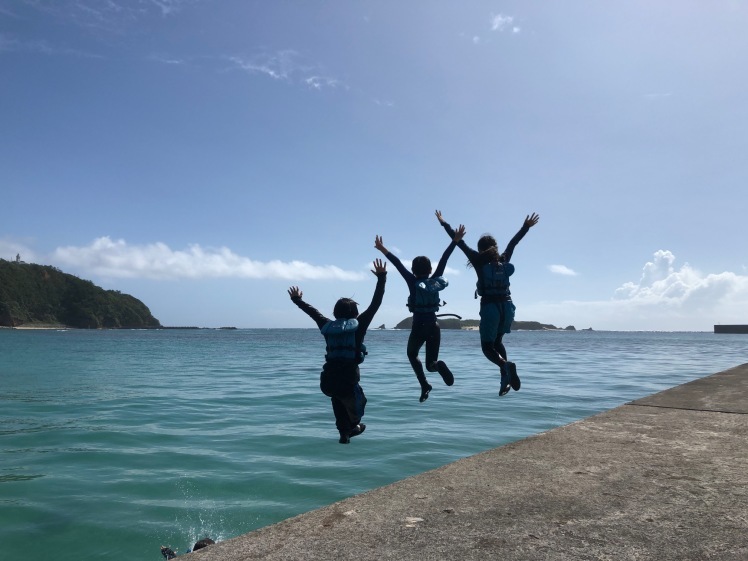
<point>531,220</point>
<point>459,234</point>
<point>380,267</point>
<point>294,292</point>
<point>439,216</point>
<point>379,245</point>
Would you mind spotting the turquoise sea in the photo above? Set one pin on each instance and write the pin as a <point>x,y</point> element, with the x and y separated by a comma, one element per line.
<point>113,443</point>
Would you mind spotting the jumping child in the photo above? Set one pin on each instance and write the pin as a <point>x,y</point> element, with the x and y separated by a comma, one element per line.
<point>344,339</point>
<point>496,306</point>
<point>424,301</point>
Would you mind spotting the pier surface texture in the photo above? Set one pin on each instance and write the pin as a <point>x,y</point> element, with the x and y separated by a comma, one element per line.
<point>661,478</point>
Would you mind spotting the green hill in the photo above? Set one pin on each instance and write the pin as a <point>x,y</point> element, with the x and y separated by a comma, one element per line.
<point>43,295</point>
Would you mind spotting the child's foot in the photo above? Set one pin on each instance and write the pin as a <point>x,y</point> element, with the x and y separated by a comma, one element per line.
<point>504,389</point>
<point>513,378</point>
<point>445,373</point>
<point>425,393</point>
<point>344,438</point>
<point>358,429</point>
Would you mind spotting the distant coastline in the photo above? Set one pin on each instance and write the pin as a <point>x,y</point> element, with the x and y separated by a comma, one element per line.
<point>474,324</point>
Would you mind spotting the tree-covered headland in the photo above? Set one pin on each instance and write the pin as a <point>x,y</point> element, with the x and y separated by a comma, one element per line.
<point>33,294</point>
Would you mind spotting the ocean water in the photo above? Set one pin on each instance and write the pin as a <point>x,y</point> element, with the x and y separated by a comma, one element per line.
<point>113,443</point>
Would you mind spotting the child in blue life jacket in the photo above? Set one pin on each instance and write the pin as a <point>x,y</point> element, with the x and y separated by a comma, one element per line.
<point>344,338</point>
<point>424,301</point>
<point>496,306</point>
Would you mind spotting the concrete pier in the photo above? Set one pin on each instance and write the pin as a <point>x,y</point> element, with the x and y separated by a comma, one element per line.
<point>731,329</point>
<point>661,478</point>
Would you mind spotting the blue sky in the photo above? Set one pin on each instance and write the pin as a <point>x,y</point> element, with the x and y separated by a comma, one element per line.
<point>205,155</point>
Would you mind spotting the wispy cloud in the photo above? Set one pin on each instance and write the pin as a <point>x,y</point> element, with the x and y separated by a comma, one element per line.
<point>9,43</point>
<point>320,82</point>
<point>108,16</point>
<point>562,270</point>
<point>164,59</point>
<point>168,7</point>
<point>279,66</point>
<point>118,259</point>
<point>502,22</point>
<point>286,65</point>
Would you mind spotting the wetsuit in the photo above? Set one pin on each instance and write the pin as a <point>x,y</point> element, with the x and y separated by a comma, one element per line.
<point>496,310</point>
<point>425,326</point>
<point>340,378</point>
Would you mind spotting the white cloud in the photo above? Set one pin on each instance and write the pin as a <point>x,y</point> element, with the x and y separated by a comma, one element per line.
<point>500,22</point>
<point>279,66</point>
<point>665,297</point>
<point>117,259</point>
<point>661,284</point>
<point>9,249</point>
<point>562,270</point>
<point>319,82</point>
<point>287,66</point>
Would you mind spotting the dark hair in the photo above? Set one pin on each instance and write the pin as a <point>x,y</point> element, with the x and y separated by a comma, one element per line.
<point>345,308</point>
<point>488,250</point>
<point>421,266</point>
<point>205,542</point>
<point>487,241</point>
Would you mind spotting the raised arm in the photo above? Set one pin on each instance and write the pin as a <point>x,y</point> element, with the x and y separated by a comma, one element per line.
<point>445,224</point>
<point>296,297</point>
<point>365,317</point>
<point>529,222</point>
<point>439,271</point>
<point>471,254</point>
<point>407,275</point>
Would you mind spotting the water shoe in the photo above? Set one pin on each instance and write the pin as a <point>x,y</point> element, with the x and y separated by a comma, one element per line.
<point>357,430</point>
<point>445,373</point>
<point>513,378</point>
<point>425,393</point>
<point>504,389</point>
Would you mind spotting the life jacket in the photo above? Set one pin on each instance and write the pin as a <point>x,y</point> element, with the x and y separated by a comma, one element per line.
<point>425,297</point>
<point>340,336</point>
<point>494,280</point>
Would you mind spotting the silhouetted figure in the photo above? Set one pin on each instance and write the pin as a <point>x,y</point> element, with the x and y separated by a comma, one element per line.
<point>496,306</point>
<point>344,339</point>
<point>424,300</point>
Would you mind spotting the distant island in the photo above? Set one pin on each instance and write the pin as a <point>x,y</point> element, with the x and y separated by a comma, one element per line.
<point>453,323</point>
<point>43,296</point>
